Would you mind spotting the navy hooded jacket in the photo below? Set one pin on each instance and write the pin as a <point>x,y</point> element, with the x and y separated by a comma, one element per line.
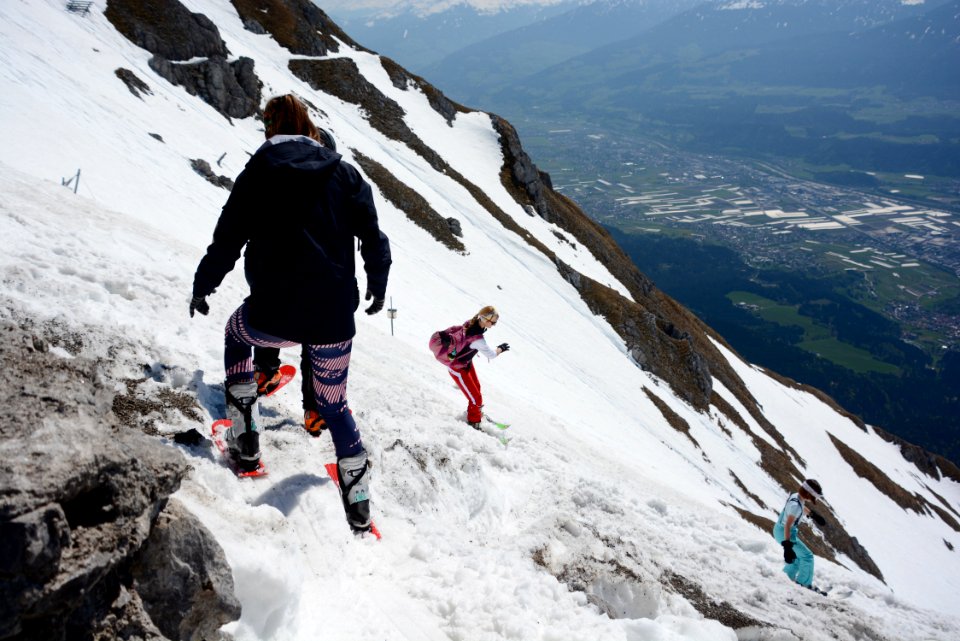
<point>297,208</point>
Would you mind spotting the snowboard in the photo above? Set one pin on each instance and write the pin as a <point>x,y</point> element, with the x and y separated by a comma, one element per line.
<point>496,424</point>
<point>495,429</point>
<point>217,430</point>
<point>287,372</point>
<point>334,474</point>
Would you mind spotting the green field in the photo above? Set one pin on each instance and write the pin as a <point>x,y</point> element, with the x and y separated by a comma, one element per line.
<point>817,339</point>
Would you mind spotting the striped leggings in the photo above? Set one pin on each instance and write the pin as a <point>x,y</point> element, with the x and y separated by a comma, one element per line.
<point>330,364</point>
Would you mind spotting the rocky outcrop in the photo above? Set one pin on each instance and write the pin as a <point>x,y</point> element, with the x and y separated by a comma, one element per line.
<point>654,344</point>
<point>174,34</point>
<point>522,178</point>
<point>203,168</point>
<point>403,79</point>
<point>298,25</point>
<point>166,28</point>
<point>183,578</point>
<point>79,498</point>
<point>133,82</point>
<point>232,88</point>
<point>930,464</point>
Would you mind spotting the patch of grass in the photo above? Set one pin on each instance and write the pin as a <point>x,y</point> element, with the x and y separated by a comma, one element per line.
<point>401,78</point>
<point>753,497</point>
<point>853,358</point>
<point>867,470</point>
<point>675,420</point>
<point>409,202</point>
<point>817,338</point>
<point>136,408</point>
<point>708,606</point>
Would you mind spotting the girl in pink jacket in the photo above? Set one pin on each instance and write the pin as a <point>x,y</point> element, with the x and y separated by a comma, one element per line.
<point>456,346</point>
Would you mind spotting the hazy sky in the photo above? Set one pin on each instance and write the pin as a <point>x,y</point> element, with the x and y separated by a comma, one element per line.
<point>431,6</point>
<point>427,6</point>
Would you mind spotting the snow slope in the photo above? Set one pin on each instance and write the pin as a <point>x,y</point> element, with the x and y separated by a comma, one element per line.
<point>578,528</point>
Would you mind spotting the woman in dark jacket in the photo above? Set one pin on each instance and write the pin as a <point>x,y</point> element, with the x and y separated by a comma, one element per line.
<point>266,360</point>
<point>297,207</point>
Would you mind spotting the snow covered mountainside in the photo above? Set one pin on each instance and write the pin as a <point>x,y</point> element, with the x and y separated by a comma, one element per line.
<point>647,462</point>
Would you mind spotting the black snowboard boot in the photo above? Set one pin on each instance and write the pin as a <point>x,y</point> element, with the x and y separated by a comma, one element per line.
<point>355,490</point>
<point>243,439</point>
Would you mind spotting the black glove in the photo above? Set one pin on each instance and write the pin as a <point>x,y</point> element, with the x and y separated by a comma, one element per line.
<point>789,556</point>
<point>503,347</point>
<point>376,305</point>
<point>199,304</point>
<point>819,520</point>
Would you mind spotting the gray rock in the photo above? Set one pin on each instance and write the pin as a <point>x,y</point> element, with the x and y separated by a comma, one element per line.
<point>524,173</point>
<point>455,228</point>
<point>170,31</point>
<point>184,579</point>
<point>203,168</point>
<point>253,26</point>
<point>79,495</point>
<point>232,88</point>
<point>167,28</point>
<point>133,82</point>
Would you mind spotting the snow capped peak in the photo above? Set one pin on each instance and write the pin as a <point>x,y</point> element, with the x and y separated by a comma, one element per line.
<point>741,4</point>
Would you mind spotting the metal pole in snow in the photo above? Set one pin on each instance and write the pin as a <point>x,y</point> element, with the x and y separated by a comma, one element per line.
<point>66,182</point>
<point>391,314</point>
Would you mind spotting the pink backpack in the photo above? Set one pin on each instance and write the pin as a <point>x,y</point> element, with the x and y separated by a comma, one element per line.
<point>447,344</point>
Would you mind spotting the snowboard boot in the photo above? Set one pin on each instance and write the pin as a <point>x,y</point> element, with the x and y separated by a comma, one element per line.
<point>243,438</point>
<point>475,426</point>
<point>267,380</point>
<point>355,490</point>
<point>313,423</point>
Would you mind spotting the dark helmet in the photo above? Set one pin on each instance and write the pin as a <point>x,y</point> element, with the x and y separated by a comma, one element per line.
<point>327,139</point>
<point>812,487</point>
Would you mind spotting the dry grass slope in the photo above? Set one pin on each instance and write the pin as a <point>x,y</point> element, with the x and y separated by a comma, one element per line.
<point>409,202</point>
<point>675,420</point>
<point>402,79</point>
<point>298,25</point>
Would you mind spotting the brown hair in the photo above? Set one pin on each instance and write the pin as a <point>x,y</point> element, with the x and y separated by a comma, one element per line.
<point>288,115</point>
<point>489,313</point>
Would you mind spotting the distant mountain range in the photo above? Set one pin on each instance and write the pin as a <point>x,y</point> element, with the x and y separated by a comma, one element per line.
<point>475,71</point>
<point>419,40</point>
<point>791,42</point>
<point>472,55</point>
<point>829,82</point>
<point>856,85</point>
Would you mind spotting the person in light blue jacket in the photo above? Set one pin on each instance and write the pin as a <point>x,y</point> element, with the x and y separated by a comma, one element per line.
<point>796,555</point>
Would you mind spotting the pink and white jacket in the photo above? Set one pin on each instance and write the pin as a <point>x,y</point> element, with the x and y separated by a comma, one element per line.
<point>456,346</point>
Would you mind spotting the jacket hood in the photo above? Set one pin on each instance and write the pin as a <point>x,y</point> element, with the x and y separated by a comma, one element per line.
<point>298,154</point>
